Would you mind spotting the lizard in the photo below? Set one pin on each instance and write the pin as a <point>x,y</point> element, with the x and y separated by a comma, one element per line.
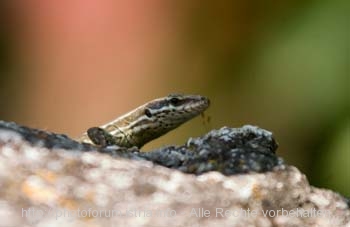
<point>147,122</point>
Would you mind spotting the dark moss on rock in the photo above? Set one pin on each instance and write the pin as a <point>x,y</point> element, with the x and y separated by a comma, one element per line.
<point>227,150</point>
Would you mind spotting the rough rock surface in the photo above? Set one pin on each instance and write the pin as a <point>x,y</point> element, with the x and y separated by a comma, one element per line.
<point>227,150</point>
<point>47,179</point>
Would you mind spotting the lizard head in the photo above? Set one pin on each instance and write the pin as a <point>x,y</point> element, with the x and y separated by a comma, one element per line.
<point>164,114</point>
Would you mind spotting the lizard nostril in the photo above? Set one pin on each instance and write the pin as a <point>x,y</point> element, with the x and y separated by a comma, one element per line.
<point>205,99</point>
<point>208,101</point>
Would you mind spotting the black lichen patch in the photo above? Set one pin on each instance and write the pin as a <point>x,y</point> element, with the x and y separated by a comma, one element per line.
<point>44,138</point>
<point>227,150</point>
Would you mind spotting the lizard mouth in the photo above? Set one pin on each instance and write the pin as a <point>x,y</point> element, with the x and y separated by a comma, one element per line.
<point>200,104</point>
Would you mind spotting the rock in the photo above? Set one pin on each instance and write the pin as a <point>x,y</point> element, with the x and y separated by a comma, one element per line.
<point>237,179</point>
<point>227,150</point>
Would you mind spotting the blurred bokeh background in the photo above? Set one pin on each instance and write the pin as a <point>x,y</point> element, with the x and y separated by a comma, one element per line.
<point>282,65</point>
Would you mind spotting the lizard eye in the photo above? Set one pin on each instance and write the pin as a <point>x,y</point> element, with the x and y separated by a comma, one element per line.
<point>174,101</point>
<point>148,113</point>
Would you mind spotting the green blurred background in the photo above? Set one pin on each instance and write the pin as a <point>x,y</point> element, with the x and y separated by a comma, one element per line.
<point>281,65</point>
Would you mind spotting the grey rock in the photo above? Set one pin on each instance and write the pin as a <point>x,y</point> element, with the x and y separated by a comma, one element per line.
<point>50,180</point>
<point>228,150</point>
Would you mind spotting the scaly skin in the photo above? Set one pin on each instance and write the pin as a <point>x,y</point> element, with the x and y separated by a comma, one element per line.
<point>148,121</point>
